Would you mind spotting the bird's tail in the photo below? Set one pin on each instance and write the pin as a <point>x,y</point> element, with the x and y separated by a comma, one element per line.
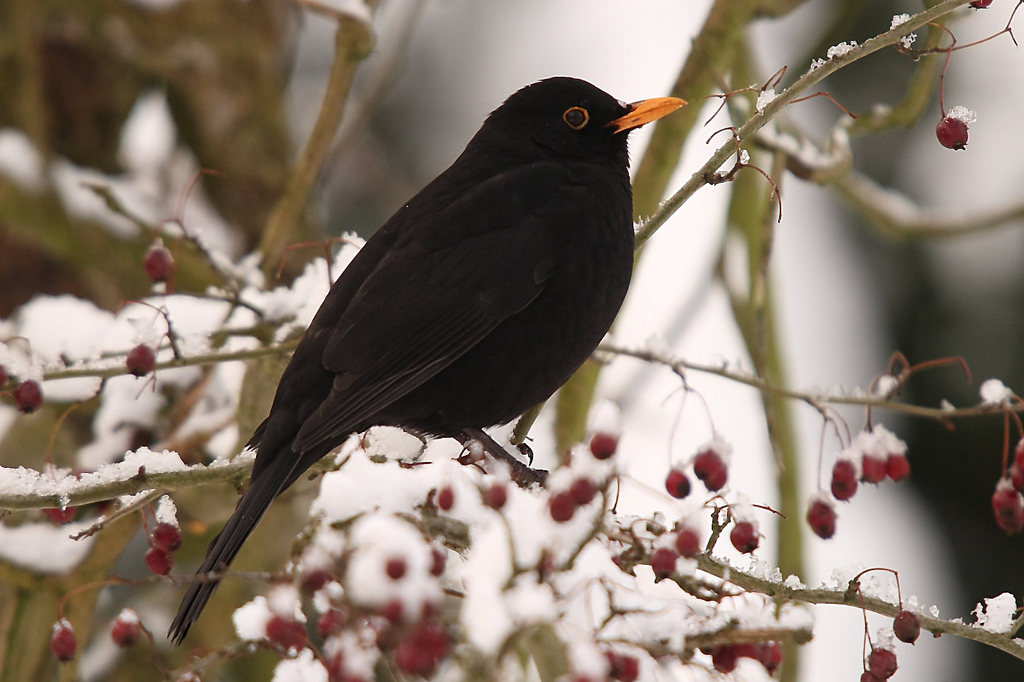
<point>250,509</point>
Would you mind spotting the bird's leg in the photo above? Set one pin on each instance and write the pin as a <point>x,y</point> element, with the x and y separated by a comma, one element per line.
<point>523,475</point>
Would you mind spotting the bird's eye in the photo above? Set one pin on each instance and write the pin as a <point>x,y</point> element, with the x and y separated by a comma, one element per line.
<point>576,117</point>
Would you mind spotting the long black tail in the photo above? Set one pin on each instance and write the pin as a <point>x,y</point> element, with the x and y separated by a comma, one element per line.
<point>250,509</point>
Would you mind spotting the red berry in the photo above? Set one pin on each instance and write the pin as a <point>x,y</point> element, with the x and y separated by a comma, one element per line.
<point>393,610</point>
<point>621,667</point>
<point>1018,454</point>
<point>603,445</point>
<point>723,657</point>
<point>287,633</point>
<point>906,627</point>
<point>159,262</point>
<point>166,536</point>
<point>770,655</point>
<point>1017,477</point>
<point>844,479</point>
<point>882,663</point>
<point>872,469</point>
<point>677,484</point>
<point>396,568</point>
<point>1008,508</point>
<point>420,653</point>
<point>744,537</point>
<point>125,631</point>
<point>140,360</point>
<point>952,133</point>
<point>495,496</point>
<point>445,498</point>
<point>821,517</point>
<point>562,506</point>
<point>159,561</point>
<point>330,623</point>
<point>981,4</point>
<point>61,516</point>
<point>897,466</point>
<point>28,396</point>
<point>63,643</point>
<point>868,676</point>
<point>582,491</point>
<point>663,561</point>
<point>315,578</point>
<point>438,559</point>
<point>687,543</point>
<point>710,469</point>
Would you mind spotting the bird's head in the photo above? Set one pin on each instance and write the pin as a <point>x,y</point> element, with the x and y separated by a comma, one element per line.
<point>569,118</point>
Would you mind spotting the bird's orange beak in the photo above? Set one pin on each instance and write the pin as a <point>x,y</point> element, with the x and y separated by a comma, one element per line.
<point>645,111</point>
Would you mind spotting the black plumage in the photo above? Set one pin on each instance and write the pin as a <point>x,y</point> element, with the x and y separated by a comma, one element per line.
<point>472,303</point>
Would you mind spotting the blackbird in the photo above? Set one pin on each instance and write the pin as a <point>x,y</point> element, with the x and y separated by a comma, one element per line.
<point>475,301</point>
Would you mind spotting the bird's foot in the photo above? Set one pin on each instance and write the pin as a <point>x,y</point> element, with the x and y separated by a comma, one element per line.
<point>522,474</point>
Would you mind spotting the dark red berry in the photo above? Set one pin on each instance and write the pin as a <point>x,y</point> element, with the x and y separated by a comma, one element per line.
<point>396,568</point>
<point>315,578</point>
<point>63,643</point>
<point>445,498</point>
<point>495,496</point>
<point>1017,477</point>
<point>677,484</point>
<point>744,537</point>
<point>420,653</point>
<point>872,469</point>
<point>562,506</point>
<point>981,4</point>
<point>687,543</point>
<point>166,536</point>
<point>621,667</point>
<point>906,627</point>
<point>663,562</point>
<point>393,610</point>
<point>582,491</point>
<point>1018,454</point>
<point>287,633</point>
<point>723,657</point>
<point>140,360</point>
<point>158,561</point>
<point>1008,508</point>
<point>61,516</point>
<point>438,560</point>
<point>821,517</point>
<point>952,133</point>
<point>159,262</point>
<point>868,676</point>
<point>3,375</point>
<point>897,466</point>
<point>28,396</point>
<point>844,479</point>
<point>882,663</point>
<point>710,469</point>
<point>330,623</point>
<point>603,445</point>
<point>770,655</point>
<point>126,630</point>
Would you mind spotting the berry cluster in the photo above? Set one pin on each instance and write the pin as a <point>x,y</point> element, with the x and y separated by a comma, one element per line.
<point>724,657</point>
<point>709,466</point>
<point>872,457</point>
<point>165,539</point>
<point>1007,502</point>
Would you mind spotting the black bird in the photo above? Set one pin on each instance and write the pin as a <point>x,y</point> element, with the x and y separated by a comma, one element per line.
<point>474,302</point>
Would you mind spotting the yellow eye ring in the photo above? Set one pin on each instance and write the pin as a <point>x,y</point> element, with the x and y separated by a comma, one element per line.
<point>576,117</point>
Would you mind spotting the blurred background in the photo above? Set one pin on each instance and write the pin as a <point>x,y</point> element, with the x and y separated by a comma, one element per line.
<point>236,86</point>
